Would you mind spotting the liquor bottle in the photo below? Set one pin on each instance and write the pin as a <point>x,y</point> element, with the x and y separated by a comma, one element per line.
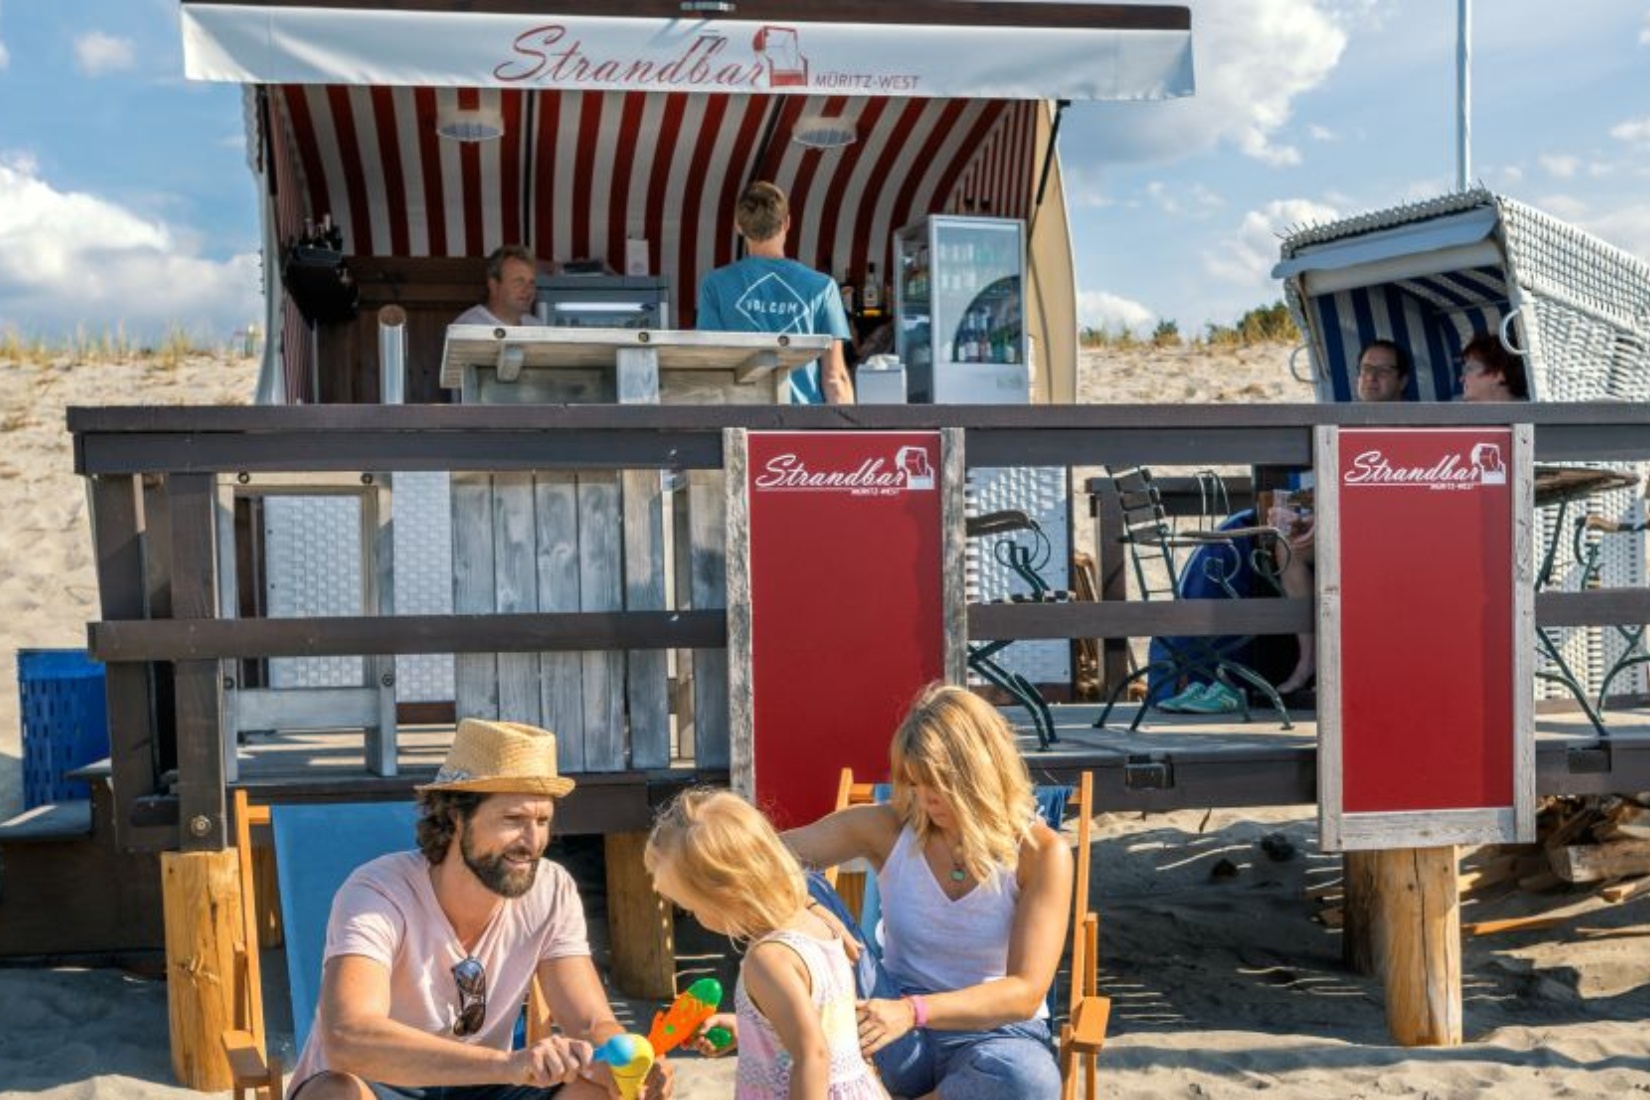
<point>847,290</point>
<point>870,295</point>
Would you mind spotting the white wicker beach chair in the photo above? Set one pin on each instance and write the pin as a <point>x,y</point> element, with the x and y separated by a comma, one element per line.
<point>1433,274</point>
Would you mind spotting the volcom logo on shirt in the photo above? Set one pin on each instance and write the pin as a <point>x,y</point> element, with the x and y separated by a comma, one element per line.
<point>770,305</point>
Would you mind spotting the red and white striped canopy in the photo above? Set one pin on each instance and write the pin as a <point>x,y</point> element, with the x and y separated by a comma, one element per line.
<point>577,173</point>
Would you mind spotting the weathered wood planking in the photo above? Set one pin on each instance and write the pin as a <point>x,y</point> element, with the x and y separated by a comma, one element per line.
<point>561,674</point>
<point>378,597</point>
<point>515,577</point>
<point>737,531</point>
<point>475,675</point>
<point>708,588</point>
<point>601,588</point>
<point>643,536</point>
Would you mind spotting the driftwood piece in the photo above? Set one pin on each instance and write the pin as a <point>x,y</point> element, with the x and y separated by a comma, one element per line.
<point>1596,862</point>
<point>1622,891</point>
<point>1508,866</point>
<point>1515,924</point>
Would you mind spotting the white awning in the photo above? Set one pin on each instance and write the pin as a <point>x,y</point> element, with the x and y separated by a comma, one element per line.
<point>268,44</point>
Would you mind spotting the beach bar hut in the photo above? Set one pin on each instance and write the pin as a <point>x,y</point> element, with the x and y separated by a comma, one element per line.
<point>395,145</point>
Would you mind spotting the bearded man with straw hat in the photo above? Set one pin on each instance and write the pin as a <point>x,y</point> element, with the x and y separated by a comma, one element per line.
<point>429,954</point>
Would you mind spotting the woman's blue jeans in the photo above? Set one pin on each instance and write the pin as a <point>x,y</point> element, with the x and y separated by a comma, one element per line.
<point>1014,1060</point>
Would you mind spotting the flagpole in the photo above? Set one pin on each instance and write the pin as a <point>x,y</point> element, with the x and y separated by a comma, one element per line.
<point>1463,95</point>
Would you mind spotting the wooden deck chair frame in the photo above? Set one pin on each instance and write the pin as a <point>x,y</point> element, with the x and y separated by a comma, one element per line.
<point>255,1074</point>
<point>1088,1013</point>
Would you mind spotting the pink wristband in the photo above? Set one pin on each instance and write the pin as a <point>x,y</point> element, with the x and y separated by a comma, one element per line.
<point>919,1010</point>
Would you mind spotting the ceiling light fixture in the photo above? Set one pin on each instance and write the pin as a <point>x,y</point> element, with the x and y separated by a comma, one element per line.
<point>469,124</point>
<point>824,132</point>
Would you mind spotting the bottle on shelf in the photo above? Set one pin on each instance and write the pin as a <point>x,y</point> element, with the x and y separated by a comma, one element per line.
<point>848,298</point>
<point>870,295</point>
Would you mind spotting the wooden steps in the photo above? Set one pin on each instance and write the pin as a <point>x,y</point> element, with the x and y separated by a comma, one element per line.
<point>55,821</point>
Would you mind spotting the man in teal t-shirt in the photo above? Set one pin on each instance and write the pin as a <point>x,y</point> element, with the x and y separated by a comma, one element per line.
<point>765,292</point>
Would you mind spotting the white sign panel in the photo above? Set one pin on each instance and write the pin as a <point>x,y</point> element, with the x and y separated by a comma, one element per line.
<point>277,45</point>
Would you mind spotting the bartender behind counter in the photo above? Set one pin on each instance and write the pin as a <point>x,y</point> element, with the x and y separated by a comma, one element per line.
<point>512,288</point>
<point>765,292</point>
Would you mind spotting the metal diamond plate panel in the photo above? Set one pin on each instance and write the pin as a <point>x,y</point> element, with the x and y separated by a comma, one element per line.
<point>1592,651</point>
<point>423,577</point>
<point>313,568</point>
<point>1041,493</point>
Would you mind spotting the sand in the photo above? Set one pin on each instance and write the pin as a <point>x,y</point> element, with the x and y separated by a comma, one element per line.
<point>1224,983</point>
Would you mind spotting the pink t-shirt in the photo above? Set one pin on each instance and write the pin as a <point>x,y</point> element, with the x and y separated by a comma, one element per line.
<point>387,911</point>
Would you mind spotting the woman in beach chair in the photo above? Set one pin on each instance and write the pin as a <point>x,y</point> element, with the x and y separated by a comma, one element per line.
<point>975,892</point>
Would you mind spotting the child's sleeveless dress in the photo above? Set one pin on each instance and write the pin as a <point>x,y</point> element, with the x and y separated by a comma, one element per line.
<point>764,1071</point>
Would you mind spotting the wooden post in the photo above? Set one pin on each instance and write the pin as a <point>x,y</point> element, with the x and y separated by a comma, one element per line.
<point>201,898</point>
<point>1418,940</point>
<point>1360,895</point>
<point>639,922</point>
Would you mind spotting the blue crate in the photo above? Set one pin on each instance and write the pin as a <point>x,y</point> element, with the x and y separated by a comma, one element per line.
<point>65,721</point>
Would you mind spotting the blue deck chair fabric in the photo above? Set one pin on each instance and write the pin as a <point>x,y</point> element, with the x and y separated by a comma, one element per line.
<point>316,848</point>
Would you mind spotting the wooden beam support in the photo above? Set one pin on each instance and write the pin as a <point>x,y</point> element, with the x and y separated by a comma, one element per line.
<point>194,597</point>
<point>1418,944</point>
<point>639,922</point>
<point>201,896</point>
<point>1360,902</point>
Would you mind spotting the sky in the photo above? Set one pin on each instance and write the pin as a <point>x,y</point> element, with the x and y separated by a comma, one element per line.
<point>126,204</point>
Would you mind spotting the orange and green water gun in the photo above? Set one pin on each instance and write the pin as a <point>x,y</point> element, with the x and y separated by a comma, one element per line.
<point>686,1015</point>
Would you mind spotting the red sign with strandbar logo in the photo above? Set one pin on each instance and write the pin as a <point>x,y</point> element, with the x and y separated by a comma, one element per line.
<point>1427,619</point>
<point>847,605</point>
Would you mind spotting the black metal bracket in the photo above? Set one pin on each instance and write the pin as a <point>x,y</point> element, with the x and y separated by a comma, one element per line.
<point>1148,772</point>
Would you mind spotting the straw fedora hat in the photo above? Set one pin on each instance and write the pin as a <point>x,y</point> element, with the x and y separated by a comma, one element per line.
<point>501,758</point>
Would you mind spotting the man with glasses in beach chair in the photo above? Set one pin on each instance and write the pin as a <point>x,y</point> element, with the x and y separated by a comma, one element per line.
<point>430,953</point>
<point>1382,375</point>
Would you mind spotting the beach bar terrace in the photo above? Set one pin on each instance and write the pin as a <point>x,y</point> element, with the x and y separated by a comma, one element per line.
<point>154,475</point>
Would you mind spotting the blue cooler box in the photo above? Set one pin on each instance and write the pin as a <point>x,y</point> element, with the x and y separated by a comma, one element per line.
<point>65,721</point>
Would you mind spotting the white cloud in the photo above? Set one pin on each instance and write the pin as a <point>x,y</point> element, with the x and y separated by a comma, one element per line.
<point>1644,35</point>
<point>5,56</point>
<point>1566,207</point>
<point>98,53</point>
<point>1627,227</point>
<point>1083,186</point>
<point>1196,200</point>
<point>70,259</point>
<point>1247,257</point>
<point>1100,310</point>
<point>1253,57</point>
<point>1561,166</point>
<point>1321,133</point>
<point>1635,131</point>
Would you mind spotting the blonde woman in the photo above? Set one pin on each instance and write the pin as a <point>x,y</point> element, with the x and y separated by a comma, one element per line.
<point>975,894</point>
<point>715,856</point>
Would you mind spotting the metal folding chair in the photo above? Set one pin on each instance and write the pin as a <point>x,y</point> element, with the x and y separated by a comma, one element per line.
<point>1025,552</point>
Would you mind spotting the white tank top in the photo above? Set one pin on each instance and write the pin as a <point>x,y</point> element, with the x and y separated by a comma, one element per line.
<point>932,943</point>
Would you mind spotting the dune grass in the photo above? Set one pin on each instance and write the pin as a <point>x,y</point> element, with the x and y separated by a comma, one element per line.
<point>1268,324</point>
<point>87,347</point>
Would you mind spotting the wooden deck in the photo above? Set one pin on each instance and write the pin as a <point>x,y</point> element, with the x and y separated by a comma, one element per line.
<point>1176,761</point>
<point>1172,762</point>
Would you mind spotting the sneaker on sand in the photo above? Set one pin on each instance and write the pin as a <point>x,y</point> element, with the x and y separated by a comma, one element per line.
<point>1180,704</point>
<point>1217,698</point>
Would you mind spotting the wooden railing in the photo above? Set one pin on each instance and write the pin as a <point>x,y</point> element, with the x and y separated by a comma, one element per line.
<point>153,474</point>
